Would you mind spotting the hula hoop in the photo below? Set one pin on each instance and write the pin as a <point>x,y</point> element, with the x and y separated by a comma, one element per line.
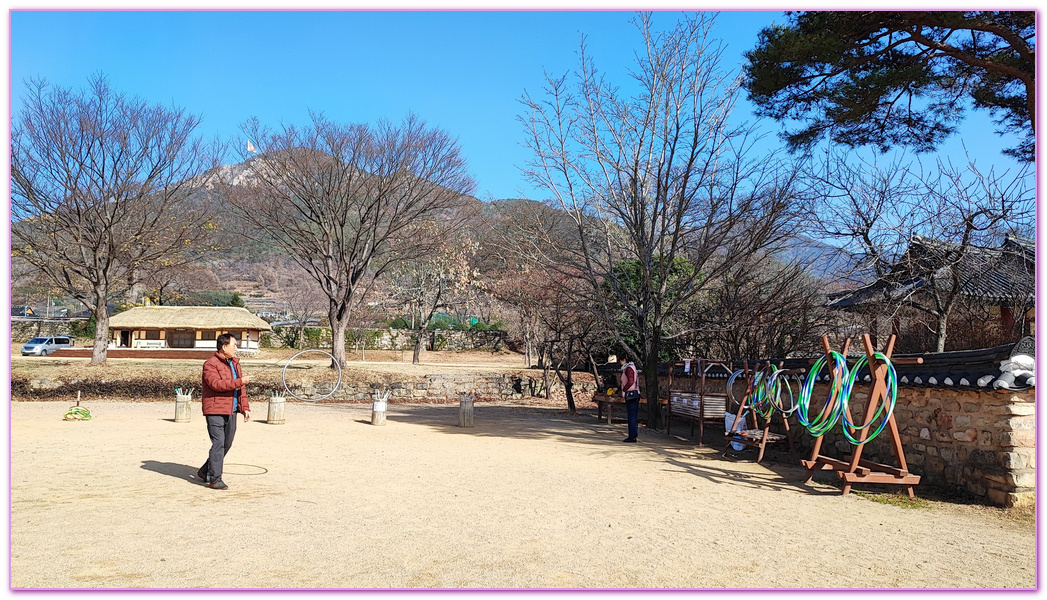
<point>283,376</point>
<point>774,382</point>
<point>830,413</point>
<point>760,396</point>
<point>77,413</point>
<point>730,387</point>
<point>888,403</point>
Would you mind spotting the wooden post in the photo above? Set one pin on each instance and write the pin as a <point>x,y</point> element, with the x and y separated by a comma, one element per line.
<point>465,410</point>
<point>813,464</point>
<point>276,410</point>
<point>378,407</point>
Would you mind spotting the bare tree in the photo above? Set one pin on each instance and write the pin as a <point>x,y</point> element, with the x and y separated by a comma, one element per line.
<point>171,284</point>
<point>761,308</point>
<point>655,180</point>
<point>572,328</point>
<point>300,297</point>
<point>915,232</point>
<point>426,285</point>
<point>347,202</point>
<point>102,191</point>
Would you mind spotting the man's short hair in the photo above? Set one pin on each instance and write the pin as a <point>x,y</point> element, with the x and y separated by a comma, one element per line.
<point>224,339</point>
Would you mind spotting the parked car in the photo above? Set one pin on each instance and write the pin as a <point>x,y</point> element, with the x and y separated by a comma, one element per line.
<point>42,346</point>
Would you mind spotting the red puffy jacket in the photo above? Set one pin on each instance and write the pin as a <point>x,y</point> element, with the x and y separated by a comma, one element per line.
<point>219,386</point>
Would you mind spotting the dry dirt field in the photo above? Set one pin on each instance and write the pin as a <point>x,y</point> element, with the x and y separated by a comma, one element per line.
<point>530,497</point>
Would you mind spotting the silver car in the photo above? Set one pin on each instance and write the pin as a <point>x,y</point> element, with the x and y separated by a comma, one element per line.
<point>42,346</point>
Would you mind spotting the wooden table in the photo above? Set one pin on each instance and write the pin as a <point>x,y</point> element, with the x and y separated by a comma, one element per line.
<point>605,402</point>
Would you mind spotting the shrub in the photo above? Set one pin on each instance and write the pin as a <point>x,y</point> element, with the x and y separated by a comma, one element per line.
<point>399,323</point>
<point>439,341</point>
<point>83,329</point>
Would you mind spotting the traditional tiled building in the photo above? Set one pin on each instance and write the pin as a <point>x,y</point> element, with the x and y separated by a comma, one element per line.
<point>1002,279</point>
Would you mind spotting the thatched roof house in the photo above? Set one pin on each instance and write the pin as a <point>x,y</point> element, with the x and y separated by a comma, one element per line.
<point>184,327</point>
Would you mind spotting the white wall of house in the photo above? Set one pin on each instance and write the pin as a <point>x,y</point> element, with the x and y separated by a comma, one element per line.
<point>202,339</point>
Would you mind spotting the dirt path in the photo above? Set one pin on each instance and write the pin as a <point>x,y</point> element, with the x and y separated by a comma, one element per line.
<point>528,498</point>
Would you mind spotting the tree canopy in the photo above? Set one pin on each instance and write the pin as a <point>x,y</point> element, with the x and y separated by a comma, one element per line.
<point>889,78</point>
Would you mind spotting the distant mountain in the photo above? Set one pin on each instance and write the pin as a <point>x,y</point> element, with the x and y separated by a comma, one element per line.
<point>819,259</point>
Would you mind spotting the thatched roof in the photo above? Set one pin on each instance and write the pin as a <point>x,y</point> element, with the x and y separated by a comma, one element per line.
<point>195,317</point>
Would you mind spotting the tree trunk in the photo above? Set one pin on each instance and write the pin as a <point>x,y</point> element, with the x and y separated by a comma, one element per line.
<point>545,370</point>
<point>417,346</point>
<point>99,352</point>
<point>596,374</point>
<point>650,377</point>
<point>943,322</point>
<point>569,383</point>
<point>338,328</point>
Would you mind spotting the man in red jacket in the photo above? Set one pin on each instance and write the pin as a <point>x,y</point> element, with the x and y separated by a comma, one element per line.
<point>224,395</point>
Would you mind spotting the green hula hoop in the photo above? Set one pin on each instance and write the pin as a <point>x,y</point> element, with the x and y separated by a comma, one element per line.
<point>888,404</point>
<point>820,425</point>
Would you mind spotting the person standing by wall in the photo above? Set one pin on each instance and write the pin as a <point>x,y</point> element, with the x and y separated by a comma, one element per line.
<point>630,386</point>
<point>224,395</point>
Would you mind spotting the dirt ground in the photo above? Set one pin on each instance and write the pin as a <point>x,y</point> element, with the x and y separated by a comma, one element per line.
<point>528,498</point>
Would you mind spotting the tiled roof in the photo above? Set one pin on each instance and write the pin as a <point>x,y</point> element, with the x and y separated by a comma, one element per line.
<point>996,275</point>
<point>966,369</point>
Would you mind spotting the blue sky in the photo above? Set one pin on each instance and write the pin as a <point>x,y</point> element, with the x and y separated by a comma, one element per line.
<point>463,71</point>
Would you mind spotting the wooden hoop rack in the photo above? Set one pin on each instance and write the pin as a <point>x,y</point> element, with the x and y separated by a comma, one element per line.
<point>757,437</point>
<point>854,469</point>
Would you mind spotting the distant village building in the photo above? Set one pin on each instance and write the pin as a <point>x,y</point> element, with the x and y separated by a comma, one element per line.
<point>191,327</point>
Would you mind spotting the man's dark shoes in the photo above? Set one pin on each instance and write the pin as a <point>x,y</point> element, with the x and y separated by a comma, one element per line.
<point>629,440</point>
<point>217,484</point>
<point>201,475</point>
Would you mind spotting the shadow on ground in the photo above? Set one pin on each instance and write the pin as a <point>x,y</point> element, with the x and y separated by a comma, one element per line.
<point>176,470</point>
<point>778,471</point>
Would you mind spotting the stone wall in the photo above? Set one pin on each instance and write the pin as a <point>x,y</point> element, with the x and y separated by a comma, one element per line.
<point>983,443</point>
<point>441,388</point>
<point>23,331</point>
<point>403,339</point>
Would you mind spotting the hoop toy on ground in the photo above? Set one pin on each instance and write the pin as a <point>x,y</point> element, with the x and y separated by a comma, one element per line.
<point>77,413</point>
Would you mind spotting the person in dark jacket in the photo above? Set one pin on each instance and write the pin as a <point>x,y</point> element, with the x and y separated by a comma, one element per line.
<point>224,395</point>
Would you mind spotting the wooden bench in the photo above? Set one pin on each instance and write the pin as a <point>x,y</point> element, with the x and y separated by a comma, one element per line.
<point>689,395</point>
<point>688,406</point>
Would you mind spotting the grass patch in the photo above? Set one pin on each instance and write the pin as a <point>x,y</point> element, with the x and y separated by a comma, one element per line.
<point>902,500</point>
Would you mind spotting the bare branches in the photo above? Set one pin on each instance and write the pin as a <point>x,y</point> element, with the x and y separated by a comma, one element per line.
<point>921,234</point>
<point>347,202</point>
<point>660,186</point>
<point>103,190</point>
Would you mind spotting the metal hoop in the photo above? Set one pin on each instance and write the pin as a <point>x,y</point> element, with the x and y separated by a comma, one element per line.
<point>283,376</point>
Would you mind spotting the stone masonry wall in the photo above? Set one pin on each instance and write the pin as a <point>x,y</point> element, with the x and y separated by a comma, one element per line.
<point>441,388</point>
<point>403,339</point>
<point>983,443</point>
<point>23,331</point>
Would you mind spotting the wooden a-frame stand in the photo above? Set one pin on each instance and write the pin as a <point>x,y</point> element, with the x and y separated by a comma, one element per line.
<point>761,439</point>
<point>853,469</point>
